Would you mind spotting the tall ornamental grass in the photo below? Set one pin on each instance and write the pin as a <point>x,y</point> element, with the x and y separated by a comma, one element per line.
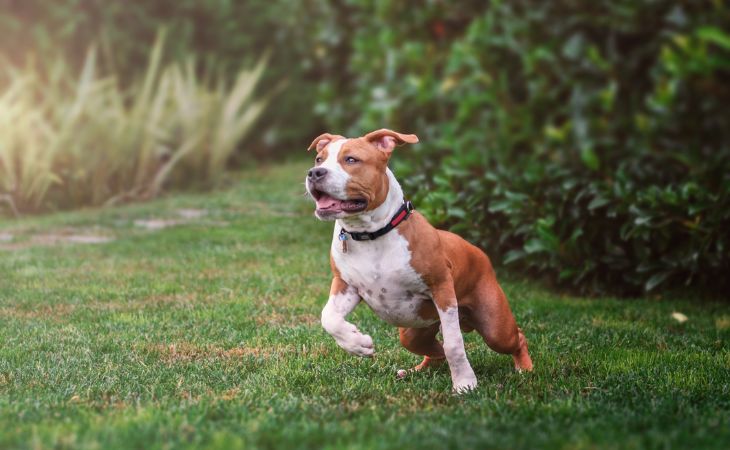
<point>71,140</point>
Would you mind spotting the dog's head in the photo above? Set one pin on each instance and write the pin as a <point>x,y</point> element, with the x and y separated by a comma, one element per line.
<point>349,175</point>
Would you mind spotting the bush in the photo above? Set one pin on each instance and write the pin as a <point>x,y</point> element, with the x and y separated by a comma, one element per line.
<point>67,142</point>
<point>586,141</point>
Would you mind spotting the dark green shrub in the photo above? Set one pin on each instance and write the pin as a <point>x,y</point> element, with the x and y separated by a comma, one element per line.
<point>589,141</point>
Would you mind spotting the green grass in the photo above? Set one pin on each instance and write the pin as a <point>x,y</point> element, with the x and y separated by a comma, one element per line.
<point>206,335</point>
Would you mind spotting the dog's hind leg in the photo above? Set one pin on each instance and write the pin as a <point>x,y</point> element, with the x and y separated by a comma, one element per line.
<point>494,321</point>
<point>422,341</point>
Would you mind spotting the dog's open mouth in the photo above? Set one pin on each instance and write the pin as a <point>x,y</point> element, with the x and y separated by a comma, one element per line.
<point>326,204</point>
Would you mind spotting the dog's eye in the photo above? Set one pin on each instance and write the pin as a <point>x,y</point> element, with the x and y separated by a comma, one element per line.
<point>351,160</point>
<point>318,159</point>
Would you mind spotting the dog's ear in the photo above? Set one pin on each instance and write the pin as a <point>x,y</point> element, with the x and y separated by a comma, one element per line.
<point>322,140</point>
<point>385,140</point>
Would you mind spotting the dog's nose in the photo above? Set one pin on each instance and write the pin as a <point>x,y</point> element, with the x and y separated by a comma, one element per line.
<point>316,174</point>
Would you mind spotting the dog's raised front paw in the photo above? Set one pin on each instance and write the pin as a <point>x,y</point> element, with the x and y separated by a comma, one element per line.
<point>357,344</point>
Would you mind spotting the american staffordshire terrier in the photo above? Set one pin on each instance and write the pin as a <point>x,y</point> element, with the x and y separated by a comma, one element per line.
<point>410,274</point>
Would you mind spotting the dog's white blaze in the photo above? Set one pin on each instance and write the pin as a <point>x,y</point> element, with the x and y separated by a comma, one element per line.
<point>462,375</point>
<point>346,334</point>
<point>336,181</point>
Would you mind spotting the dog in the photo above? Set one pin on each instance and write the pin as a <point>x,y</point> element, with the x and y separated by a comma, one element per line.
<point>410,274</point>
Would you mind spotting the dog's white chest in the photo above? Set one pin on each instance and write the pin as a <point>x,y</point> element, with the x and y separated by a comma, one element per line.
<point>381,272</point>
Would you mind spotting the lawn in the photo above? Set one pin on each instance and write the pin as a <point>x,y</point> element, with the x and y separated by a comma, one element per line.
<point>193,322</point>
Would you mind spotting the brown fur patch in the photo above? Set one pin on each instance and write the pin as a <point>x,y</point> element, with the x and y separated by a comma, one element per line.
<point>460,274</point>
<point>325,139</point>
<point>338,285</point>
<point>427,311</point>
<point>366,176</point>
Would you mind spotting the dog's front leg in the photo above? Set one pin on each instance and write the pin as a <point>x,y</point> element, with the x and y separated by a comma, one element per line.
<point>462,375</point>
<point>343,300</point>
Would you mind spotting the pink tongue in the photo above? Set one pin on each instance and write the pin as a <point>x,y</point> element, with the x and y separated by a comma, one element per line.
<point>327,202</point>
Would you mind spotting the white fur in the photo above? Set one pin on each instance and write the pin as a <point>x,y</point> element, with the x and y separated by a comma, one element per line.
<point>462,375</point>
<point>380,270</point>
<point>346,334</point>
<point>336,181</point>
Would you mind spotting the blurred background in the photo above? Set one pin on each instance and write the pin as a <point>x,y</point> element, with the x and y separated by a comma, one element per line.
<point>587,143</point>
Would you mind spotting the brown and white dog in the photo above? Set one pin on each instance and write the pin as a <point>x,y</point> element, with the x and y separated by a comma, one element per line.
<point>410,274</point>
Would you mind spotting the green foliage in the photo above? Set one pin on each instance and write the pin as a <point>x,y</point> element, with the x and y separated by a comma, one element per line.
<point>226,34</point>
<point>586,141</point>
<point>67,142</point>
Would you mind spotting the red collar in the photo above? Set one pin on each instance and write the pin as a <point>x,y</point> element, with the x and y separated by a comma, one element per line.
<point>401,215</point>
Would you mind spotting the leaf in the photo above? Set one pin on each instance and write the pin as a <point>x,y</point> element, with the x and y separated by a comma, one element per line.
<point>714,35</point>
<point>516,196</point>
<point>655,280</point>
<point>514,255</point>
<point>589,158</point>
<point>456,212</point>
<point>500,205</point>
<point>566,274</point>
<point>679,317</point>
<point>535,246</point>
<point>573,47</point>
<point>598,202</point>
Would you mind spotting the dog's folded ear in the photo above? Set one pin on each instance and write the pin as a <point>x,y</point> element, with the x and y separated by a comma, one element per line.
<point>386,140</point>
<point>322,140</point>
